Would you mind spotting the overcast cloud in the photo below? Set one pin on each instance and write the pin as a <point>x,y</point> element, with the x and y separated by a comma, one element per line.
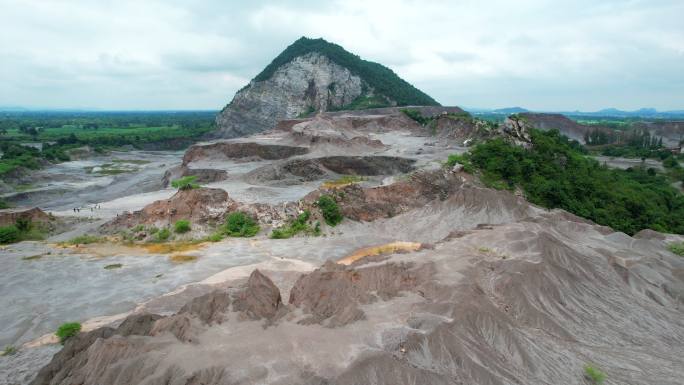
<point>539,54</point>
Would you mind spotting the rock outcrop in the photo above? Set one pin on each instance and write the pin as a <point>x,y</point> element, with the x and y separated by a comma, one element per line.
<point>312,75</point>
<point>203,175</point>
<point>332,294</point>
<point>546,122</point>
<point>199,206</point>
<point>33,214</point>
<point>301,170</point>
<point>240,151</point>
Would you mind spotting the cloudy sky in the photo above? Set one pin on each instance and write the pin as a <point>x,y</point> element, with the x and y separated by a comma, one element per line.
<point>174,54</point>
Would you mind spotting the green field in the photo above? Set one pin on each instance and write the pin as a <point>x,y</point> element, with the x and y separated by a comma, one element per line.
<point>59,132</point>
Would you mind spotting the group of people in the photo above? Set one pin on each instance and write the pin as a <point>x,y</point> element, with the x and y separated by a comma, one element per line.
<point>92,208</point>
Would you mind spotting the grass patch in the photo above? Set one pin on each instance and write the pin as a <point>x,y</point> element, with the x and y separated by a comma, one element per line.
<point>185,183</point>
<point>594,374</point>
<point>84,240</point>
<point>216,237</point>
<point>67,330</point>
<point>131,161</point>
<point>677,248</point>
<point>239,224</point>
<point>168,248</point>
<point>345,180</point>
<point>330,210</point>
<point>137,228</point>
<point>113,266</point>
<point>182,258</point>
<point>298,225</point>
<point>9,350</point>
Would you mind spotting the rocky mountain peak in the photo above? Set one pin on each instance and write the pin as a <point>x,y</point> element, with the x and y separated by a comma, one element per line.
<point>313,75</point>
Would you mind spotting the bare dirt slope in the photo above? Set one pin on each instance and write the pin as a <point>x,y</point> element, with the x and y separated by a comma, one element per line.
<point>529,301</point>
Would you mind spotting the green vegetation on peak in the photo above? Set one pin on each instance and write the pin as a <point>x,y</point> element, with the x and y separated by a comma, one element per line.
<point>556,173</point>
<point>382,79</point>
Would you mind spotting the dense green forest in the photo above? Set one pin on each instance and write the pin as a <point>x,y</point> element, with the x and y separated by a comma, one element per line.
<point>53,134</point>
<point>555,173</point>
<point>382,79</point>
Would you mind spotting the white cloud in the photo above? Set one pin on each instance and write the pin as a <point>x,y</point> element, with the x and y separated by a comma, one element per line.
<point>542,54</point>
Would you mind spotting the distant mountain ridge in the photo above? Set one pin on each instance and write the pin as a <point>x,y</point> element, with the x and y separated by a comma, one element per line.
<point>313,75</point>
<point>606,112</point>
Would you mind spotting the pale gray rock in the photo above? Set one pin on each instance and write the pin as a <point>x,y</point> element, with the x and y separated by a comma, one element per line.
<point>307,83</point>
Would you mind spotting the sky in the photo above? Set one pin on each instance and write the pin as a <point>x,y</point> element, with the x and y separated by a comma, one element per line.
<point>546,55</point>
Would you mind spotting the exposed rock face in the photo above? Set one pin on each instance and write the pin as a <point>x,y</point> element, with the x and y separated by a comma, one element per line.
<point>546,122</point>
<point>34,214</point>
<point>197,205</point>
<point>309,82</point>
<point>240,151</point>
<point>259,299</point>
<point>204,175</point>
<point>332,293</point>
<point>299,170</point>
<point>73,365</point>
<point>671,132</point>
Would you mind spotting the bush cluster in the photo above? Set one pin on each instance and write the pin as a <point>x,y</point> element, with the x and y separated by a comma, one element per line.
<point>67,330</point>
<point>554,173</point>
<point>296,226</point>
<point>182,226</point>
<point>239,224</point>
<point>330,210</point>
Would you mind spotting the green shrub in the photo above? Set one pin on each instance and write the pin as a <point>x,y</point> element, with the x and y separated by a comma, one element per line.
<point>677,248</point>
<point>23,224</point>
<point>239,224</point>
<point>594,374</point>
<point>67,330</point>
<point>163,235</point>
<point>9,234</point>
<point>137,228</point>
<point>330,210</point>
<point>295,227</point>
<point>182,226</point>
<point>185,183</point>
<point>84,240</point>
<point>9,350</point>
<point>216,237</point>
<point>3,204</point>
<point>454,159</point>
<point>153,230</point>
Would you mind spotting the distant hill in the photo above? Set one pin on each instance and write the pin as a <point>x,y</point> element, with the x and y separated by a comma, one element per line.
<point>510,110</point>
<point>314,75</point>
